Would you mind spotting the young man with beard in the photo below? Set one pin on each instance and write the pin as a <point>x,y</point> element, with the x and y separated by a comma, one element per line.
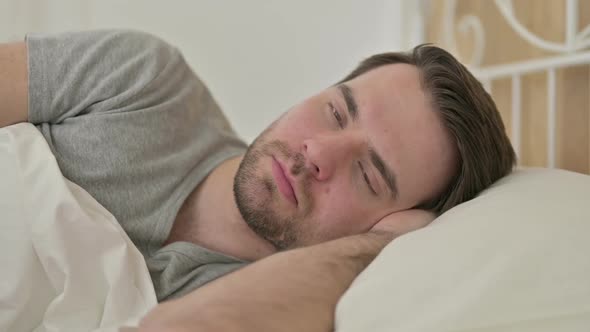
<point>336,178</point>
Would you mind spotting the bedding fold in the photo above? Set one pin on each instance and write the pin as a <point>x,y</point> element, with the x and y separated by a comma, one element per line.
<point>67,264</point>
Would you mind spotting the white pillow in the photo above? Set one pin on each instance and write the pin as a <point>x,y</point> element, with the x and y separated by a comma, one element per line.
<point>516,258</point>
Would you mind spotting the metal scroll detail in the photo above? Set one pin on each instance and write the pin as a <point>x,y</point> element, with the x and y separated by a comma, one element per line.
<point>575,40</point>
<point>464,25</point>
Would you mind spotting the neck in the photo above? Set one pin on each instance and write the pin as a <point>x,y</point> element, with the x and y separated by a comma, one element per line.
<point>219,226</point>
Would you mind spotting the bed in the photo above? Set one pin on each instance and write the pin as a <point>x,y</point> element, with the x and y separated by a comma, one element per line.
<point>513,259</point>
<point>516,258</point>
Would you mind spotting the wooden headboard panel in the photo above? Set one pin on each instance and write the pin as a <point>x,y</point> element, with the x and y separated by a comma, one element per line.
<point>534,58</point>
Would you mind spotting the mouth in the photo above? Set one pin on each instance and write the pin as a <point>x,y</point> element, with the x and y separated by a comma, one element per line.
<point>283,182</point>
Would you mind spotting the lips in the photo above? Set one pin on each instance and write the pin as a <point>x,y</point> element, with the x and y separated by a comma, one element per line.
<point>282,181</point>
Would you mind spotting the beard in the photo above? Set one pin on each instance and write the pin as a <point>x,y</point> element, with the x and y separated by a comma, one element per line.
<point>257,195</point>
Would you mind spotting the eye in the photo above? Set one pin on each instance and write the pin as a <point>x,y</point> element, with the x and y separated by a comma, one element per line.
<point>336,115</point>
<point>366,177</point>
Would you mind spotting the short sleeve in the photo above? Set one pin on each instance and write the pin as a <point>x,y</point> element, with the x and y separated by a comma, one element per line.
<point>131,123</point>
<point>76,73</point>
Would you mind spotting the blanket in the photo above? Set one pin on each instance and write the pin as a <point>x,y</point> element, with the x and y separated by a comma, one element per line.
<point>67,265</point>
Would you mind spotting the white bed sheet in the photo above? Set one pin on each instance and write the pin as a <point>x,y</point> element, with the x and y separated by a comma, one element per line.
<point>67,265</point>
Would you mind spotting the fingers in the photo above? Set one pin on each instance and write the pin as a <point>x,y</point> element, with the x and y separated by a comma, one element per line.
<point>404,221</point>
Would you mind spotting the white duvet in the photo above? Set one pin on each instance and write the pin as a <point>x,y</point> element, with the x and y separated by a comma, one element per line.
<point>67,265</point>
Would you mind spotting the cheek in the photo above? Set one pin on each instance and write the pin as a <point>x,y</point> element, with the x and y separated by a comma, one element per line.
<point>301,121</point>
<point>340,211</point>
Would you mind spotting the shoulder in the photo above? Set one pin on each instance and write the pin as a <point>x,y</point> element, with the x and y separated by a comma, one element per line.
<point>140,46</point>
<point>124,52</point>
<point>136,40</point>
<point>145,62</point>
<point>111,40</point>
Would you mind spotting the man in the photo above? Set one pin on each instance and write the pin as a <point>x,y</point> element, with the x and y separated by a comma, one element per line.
<point>336,178</point>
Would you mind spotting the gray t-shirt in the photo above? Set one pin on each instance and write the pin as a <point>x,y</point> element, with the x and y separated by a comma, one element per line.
<point>131,123</point>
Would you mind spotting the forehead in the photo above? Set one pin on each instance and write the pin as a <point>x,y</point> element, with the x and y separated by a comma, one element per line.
<point>401,124</point>
<point>390,84</point>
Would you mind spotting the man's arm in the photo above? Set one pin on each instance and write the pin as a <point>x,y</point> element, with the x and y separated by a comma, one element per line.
<point>295,290</point>
<point>13,84</point>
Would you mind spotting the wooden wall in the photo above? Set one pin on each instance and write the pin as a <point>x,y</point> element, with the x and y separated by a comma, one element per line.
<point>545,18</point>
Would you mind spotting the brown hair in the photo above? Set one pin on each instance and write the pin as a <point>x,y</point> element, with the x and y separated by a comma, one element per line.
<point>469,114</point>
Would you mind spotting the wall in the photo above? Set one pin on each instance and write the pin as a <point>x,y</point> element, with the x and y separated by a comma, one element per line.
<point>257,57</point>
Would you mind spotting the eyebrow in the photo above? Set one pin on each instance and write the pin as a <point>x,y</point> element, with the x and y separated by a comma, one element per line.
<point>386,173</point>
<point>349,100</point>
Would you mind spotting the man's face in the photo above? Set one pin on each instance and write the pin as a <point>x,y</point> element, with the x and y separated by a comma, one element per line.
<point>340,161</point>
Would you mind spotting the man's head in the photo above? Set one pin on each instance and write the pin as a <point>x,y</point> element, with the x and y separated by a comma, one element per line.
<point>403,130</point>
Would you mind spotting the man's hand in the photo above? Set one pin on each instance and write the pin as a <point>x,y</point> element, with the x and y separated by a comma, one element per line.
<point>403,222</point>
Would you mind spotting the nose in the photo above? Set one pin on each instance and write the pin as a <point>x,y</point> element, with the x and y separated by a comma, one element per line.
<point>325,153</point>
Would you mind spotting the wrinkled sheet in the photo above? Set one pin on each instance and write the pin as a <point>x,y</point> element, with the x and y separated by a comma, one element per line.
<point>67,265</point>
